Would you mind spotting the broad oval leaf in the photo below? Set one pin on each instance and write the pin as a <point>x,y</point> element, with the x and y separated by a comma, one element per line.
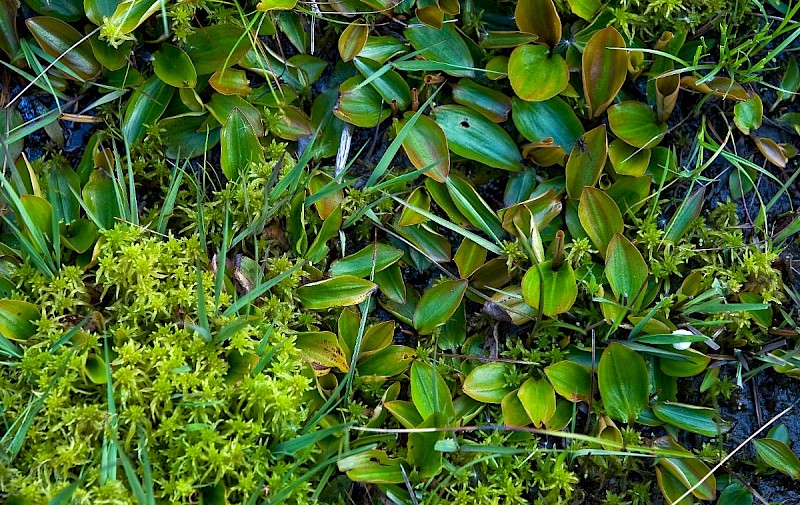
<point>539,400</point>
<point>559,288</point>
<point>689,470</point>
<point>605,64</point>
<point>360,106</point>
<point>388,362</point>
<point>230,81</point>
<point>188,136</point>
<point>128,15</point>
<point>747,115</point>
<point>552,118</point>
<point>239,145</point>
<point>321,349</point>
<point>514,413</point>
<point>628,160</point>
<point>540,18</point>
<point>60,40</point>
<point>474,137</point>
<point>487,383</point>
<point>352,40</point>
<point>216,46</point>
<point>173,66</point>
<point>570,380</point>
<point>694,362</point>
<point>779,456</point>
<point>536,73</point>
<point>600,217</point>
<point>586,161</point>
<point>100,198</point>
<point>429,392</point>
<point>622,378</point>
<point>493,104</point>
<point>636,124</point>
<point>444,45</point>
<point>438,304</point>
<point>691,418</point>
<point>626,271</point>
<point>361,264</point>
<point>65,10</point>
<point>96,10</point>
<point>426,147</point>
<point>336,292</point>
<point>18,319</point>
<point>389,84</point>
<point>145,107</point>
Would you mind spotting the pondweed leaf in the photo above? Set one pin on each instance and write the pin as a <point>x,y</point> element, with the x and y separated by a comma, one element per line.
<point>438,304</point>
<point>536,73</point>
<point>336,292</point>
<point>600,217</point>
<point>471,135</point>
<point>429,392</point>
<point>605,65</point>
<point>487,383</point>
<point>624,383</point>
<point>60,40</point>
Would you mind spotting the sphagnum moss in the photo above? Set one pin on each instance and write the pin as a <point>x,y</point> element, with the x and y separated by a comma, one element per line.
<point>172,389</point>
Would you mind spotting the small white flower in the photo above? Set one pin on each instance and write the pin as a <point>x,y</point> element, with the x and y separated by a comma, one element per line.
<point>682,346</point>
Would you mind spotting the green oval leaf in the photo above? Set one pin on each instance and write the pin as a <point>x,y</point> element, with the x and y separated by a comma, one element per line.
<point>352,40</point>
<point>559,288</point>
<point>100,198</point>
<point>173,66</point>
<point>239,145</point>
<point>360,264</point>
<point>747,115</point>
<point>552,118</point>
<point>605,66</point>
<point>444,45</point>
<point>494,105</point>
<point>600,217</point>
<point>426,147</point>
<point>487,383</point>
<point>336,292</point>
<point>540,18</point>
<point>694,363</point>
<point>321,349</point>
<point>65,10</point>
<point>622,378</point>
<point>438,304</point>
<point>636,124</point>
<point>536,73</point>
<point>60,40</point>
<point>586,162</point>
<point>539,400</point>
<point>145,107</point>
<point>429,392</point>
<point>388,362</point>
<point>570,380</point>
<point>626,271</point>
<point>691,418</point>
<point>474,137</point>
<point>390,85</point>
<point>360,105</point>
<point>18,319</point>
<point>779,456</point>
<point>215,47</point>
<point>628,160</point>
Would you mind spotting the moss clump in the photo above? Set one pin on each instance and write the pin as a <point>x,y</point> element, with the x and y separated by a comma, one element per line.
<point>190,404</point>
